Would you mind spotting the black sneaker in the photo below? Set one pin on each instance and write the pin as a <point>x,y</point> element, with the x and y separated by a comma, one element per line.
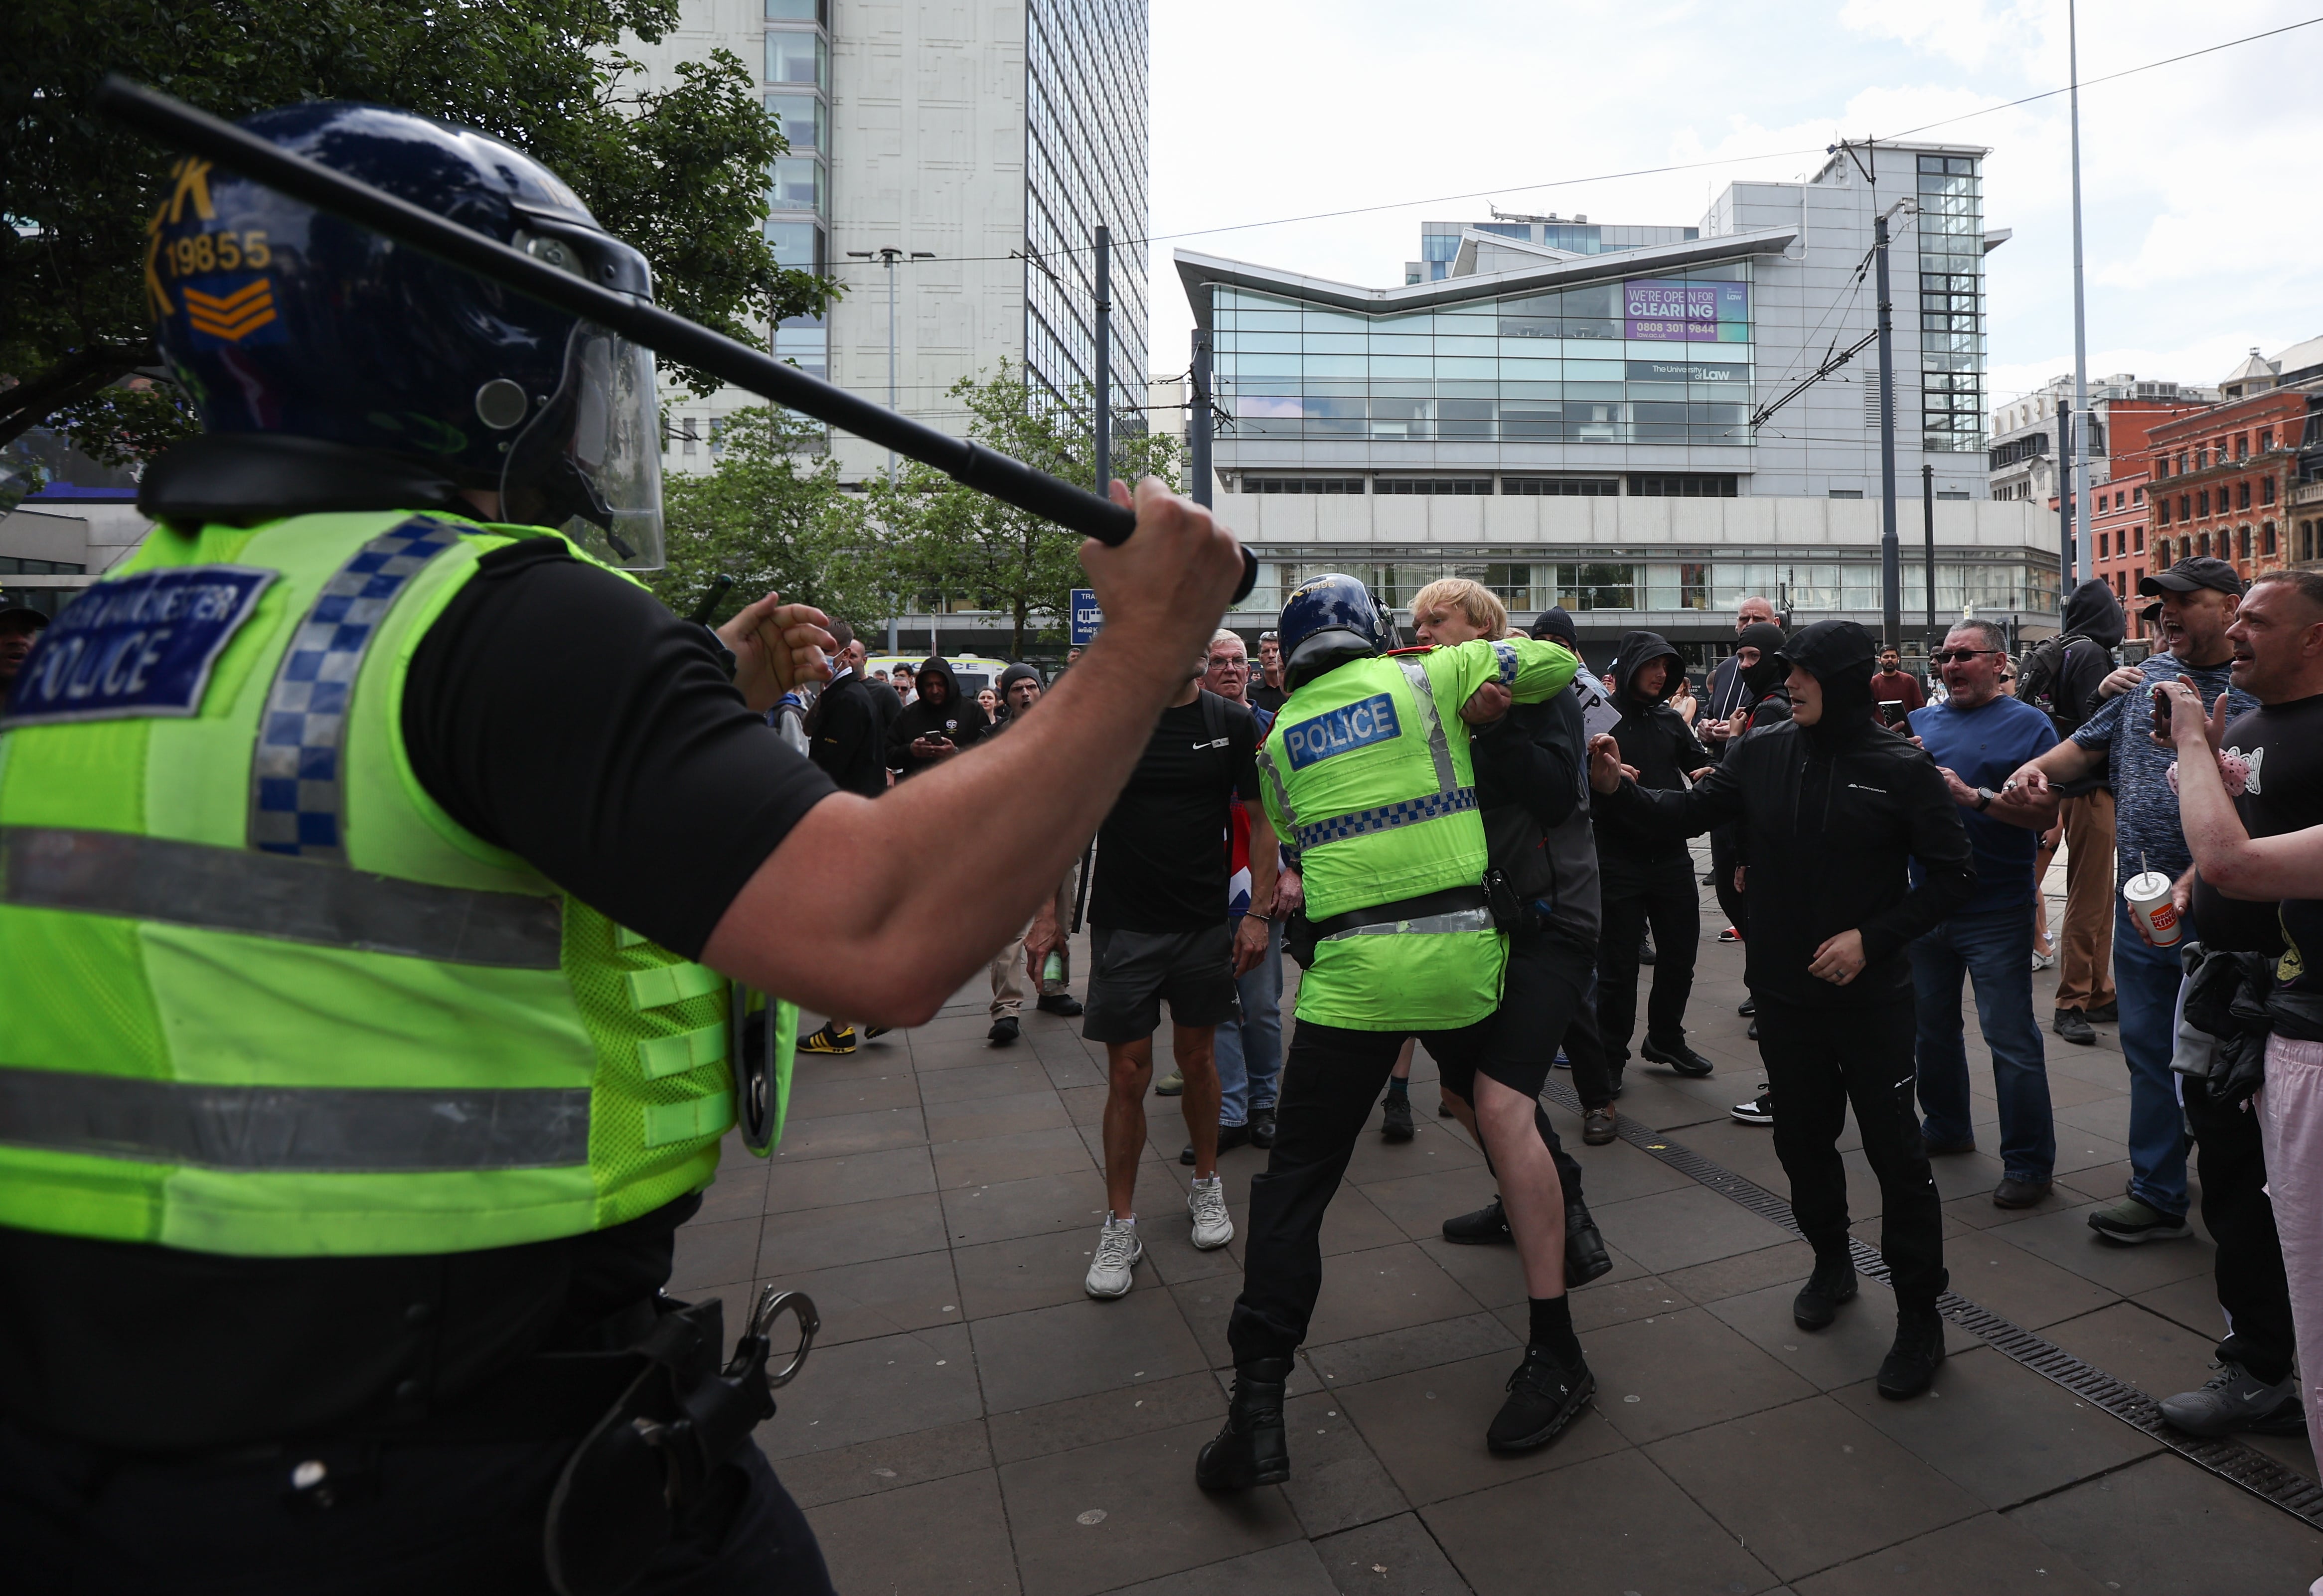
<point>2237,1399</point>
<point>1759,1111</point>
<point>1060,1002</point>
<point>2105,1013</point>
<point>1229,1136</point>
<point>1910,1366</point>
<point>1262,1128</point>
<point>1004,1032</point>
<point>1586,1257</point>
<point>1681,1057</point>
<point>1753,1032</point>
<point>1253,1449</point>
<point>1817,1303</point>
<point>833,1038</point>
<point>2132,1221</point>
<point>1395,1125</point>
<point>1543,1397</point>
<point>2074,1026</point>
<point>1747,1007</point>
<point>1487,1226</point>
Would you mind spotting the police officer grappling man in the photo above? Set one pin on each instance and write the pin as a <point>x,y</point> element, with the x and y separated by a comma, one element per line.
<point>1368,773</point>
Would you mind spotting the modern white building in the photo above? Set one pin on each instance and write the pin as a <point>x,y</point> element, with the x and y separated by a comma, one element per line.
<point>2021,458</point>
<point>1627,420</point>
<point>958,157</point>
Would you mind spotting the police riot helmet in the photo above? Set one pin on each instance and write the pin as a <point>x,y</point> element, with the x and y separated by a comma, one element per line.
<point>280,318</point>
<point>1328,621</point>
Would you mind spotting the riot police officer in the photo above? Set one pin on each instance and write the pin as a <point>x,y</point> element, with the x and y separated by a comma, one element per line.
<point>377,858</point>
<point>1367,773</point>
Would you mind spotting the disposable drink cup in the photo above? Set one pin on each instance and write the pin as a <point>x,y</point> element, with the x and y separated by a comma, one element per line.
<point>2147,893</point>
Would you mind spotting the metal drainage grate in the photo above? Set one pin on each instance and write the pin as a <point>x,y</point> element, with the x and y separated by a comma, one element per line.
<point>2230,1460</point>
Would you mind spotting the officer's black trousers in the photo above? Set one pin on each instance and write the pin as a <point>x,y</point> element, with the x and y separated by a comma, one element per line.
<point>1818,1062</point>
<point>408,1518</point>
<point>1330,1080</point>
<point>1663,892</point>
<point>2231,1163</point>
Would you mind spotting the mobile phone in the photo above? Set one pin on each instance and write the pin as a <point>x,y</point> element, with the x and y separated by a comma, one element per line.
<point>1891,712</point>
<point>2161,702</point>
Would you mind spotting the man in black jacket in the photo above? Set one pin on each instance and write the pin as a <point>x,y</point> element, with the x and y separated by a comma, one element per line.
<point>1833,808</point>
<point>846,741</point>
<point>1647,876</point>
<point>2069,695</point>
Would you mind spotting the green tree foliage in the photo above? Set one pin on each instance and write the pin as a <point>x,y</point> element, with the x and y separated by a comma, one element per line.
<point>946,539</point>
<point>772,516</point>
<point>676,167</point>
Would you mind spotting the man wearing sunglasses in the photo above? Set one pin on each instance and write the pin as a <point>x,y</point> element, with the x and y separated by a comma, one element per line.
<point>1977,736</point>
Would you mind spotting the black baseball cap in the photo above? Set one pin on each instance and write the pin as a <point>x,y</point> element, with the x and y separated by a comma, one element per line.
<point>2187,575</point>
<point>22,618</point>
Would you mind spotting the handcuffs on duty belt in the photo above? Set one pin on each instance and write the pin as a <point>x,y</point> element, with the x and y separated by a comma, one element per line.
<point>647,1464</point>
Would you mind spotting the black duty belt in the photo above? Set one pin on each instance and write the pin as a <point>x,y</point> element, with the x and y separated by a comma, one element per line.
<point>1450,901</point>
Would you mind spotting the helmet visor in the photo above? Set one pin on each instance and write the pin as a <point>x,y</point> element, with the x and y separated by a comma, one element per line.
<point>589,461</point>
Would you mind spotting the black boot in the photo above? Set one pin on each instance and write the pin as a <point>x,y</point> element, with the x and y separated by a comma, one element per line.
<point>1252,1450</point>
<point>1833,1283</point>
<point>1910,1366</point>
<point>1395,1125</point>
<point>1584,1250</point>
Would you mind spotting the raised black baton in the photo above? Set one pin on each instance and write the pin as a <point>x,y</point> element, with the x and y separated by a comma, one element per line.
<point>1011,481</point>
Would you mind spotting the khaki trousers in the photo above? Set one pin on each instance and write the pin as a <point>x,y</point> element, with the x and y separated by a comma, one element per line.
<point>1008,977</point>
<point>2085,951</point>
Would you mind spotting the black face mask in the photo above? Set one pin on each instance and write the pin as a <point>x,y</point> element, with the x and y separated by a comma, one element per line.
<point>1760,679</point>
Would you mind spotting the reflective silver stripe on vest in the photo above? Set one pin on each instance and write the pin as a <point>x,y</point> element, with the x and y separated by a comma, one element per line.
<point>232,889</point>
<point>335,1129</point>
<point>1439,750</point>
<point>298,777</point>
<point>1459,920</point>
<point>1281,792</point>
<point>1387,817</point>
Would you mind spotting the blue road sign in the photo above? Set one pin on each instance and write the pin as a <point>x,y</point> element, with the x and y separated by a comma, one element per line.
<point>1086,616</point>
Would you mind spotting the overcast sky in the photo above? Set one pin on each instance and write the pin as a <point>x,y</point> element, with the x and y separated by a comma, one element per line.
<point>2202,235</point>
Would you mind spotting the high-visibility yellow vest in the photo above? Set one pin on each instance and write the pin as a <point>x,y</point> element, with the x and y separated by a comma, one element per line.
<point>259,993</point>
<point>1367,771</point>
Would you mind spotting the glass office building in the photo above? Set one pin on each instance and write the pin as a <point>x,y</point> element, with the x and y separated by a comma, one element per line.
<point>1650,358</point>
<point>1085,166</point>
<point>1951,304</point>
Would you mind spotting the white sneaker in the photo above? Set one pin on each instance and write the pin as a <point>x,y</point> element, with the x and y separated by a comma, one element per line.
<point>1118,1251</point>
<point>1206,1202</point>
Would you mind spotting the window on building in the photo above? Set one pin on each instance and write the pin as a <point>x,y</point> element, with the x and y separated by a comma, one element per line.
<point>1562,487</point>
<point>1684,485</point>
<point>1303,485</point>
<point>797,56</point>
<point>2101,546</point>
<point>2241,495</point>
<point>1597,587</point>
<point>2161,552</point>
<point>2306,540</point>
<point>2139,533</point>
<point>2202,545</point>
<point>2137,496</point>
<point>2163,506</point>
<point>1847,492</point>
<point>2265,439</point>
<point>2181,463</point>
<point>2266,538</point>
<point>2242,445</point>
<point>1944,493</point>
<point>2266,490</point>
<point>2243,544</point>
<point>1432,485</point>
<point>799,11</point>
<point>798,244</point>
<point>2137,577</point>
<point>797,185</point>
<point>801,116</point>
<point>2202,501</point>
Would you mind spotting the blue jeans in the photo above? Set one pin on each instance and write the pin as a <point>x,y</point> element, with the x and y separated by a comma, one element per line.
<point>1249,1052</point>
<point>1994,949</point>
<point>2147,979</point>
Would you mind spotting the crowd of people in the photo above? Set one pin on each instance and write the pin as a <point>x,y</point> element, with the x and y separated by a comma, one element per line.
<point>1879,842</point>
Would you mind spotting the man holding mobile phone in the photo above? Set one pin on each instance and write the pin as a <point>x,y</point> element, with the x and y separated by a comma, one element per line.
<point>935,726</point>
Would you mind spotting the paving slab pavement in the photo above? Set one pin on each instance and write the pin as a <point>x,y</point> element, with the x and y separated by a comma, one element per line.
<point>972,1422</point>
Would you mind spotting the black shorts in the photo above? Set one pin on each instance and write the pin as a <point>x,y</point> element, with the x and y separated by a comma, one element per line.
<point>1136,970</point>
<point>1546,983</point>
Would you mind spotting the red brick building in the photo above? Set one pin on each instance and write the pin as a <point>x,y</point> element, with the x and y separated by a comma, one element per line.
<point>2118,522</point>
<point>2221,482</point>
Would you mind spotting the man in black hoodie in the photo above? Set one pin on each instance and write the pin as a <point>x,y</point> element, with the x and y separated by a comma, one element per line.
<point>1834,807</point>
<point>934,725</point>
<point>1644,875</point>
<point>2065,684</point>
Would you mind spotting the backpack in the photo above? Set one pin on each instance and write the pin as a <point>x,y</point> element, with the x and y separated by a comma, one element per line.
<point>2041,678</point>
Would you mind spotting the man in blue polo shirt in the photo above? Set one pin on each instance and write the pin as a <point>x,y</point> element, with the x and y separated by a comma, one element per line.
<point>1980,735</point>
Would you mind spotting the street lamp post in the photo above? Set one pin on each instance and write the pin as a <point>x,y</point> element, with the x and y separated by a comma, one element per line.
<point>888,254</point>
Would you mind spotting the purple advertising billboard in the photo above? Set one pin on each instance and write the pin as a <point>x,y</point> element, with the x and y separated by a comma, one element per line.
<point>1667,310</point>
